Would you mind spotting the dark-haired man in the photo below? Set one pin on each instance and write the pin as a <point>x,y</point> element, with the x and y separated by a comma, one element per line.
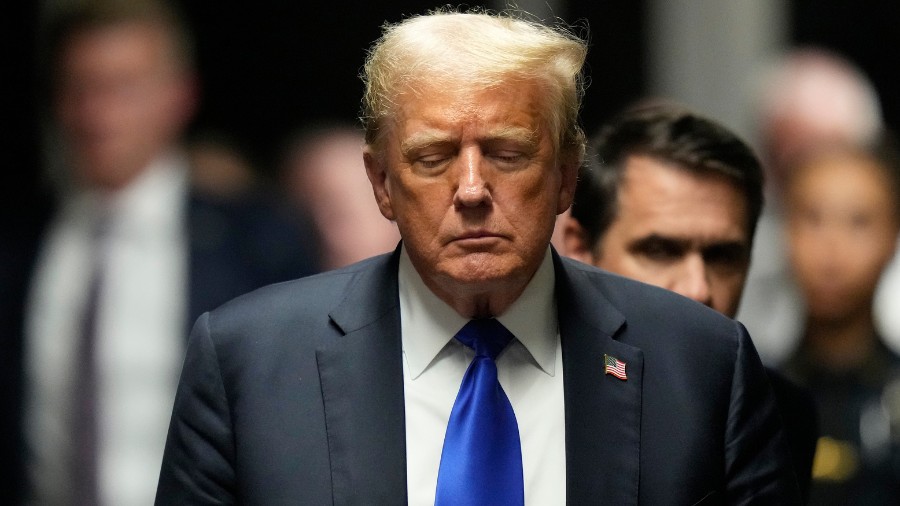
<point>671,198</point>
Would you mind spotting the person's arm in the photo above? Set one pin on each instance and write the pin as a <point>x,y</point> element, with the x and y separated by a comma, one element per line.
<point>197,465</point>
<point>758,466</point>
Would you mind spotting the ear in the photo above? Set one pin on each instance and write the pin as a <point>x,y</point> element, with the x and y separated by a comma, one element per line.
<point>575,241</point>
<point>376,170</point>
<point>569,172</point>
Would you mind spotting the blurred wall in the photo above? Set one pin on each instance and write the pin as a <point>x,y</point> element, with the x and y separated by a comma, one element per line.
<point>706,53</point>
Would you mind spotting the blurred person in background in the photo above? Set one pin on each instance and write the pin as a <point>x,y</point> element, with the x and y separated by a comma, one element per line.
<point>807,98</point>
<point>842,208</point>
<point>129,256</point>
<point>671,198</point>
<point>220,167</point>
<point>322,172</point>
<point>811,97</point>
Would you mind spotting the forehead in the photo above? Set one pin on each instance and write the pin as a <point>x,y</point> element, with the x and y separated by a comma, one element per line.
<point>842,178</point>
<point>665,199</point>
<point>456,109</point>
<point>127,43</point>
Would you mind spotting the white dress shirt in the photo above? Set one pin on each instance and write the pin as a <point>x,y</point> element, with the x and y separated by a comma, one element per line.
<point>140,340</point>
<point>529,369</point>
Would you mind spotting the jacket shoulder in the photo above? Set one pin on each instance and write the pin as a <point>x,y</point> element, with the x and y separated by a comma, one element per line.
<point>303,306</point>
<point>636,300</point>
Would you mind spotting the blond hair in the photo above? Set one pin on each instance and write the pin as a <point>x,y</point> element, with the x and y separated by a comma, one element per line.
<point>477,50</point>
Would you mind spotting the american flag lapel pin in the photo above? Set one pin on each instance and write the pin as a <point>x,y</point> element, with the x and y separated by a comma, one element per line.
<point>614,366</point>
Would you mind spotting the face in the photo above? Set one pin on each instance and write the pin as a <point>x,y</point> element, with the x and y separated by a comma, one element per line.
<point>788,137</point>
<point>680,231</point>
<point>121,99</point>
<point>474,184</point>
<point>330,181</point>
<point>842,230</point>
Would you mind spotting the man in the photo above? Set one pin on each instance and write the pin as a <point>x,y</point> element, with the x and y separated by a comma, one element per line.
<point>322,171</point>
<point>349,387</point>
<point>672,199</point>
<point>842,218</point>
<point>669,198</point>
<point>810,97</point>
<point>96,315</point>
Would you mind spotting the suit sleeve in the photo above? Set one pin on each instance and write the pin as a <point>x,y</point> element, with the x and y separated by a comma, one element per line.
<point>758,465</point>
<point>197,465</point>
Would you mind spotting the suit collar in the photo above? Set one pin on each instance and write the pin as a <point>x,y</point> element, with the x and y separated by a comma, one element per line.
<point>370,295</point>
<point>362,379</point>
<point>361,375</point>
<point>603,413</point>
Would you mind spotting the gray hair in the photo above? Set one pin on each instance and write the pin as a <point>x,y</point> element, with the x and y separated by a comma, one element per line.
<point>476,50</point>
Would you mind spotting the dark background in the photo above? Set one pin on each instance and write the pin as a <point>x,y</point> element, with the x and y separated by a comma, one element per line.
<point>271,67</point>
<point>867,33</point>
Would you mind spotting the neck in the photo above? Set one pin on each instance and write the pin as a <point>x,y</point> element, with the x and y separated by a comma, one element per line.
<point>841,345</point>
<point>479,303</point>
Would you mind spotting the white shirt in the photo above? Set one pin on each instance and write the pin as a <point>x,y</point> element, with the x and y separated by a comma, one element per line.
<point>529,369</point>
<point>140,341</point>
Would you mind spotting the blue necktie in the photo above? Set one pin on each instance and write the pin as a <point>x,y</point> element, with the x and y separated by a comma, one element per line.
<point>481,463</point>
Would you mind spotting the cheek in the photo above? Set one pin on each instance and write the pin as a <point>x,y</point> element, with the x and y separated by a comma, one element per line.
<point>532,200</point>
<point>616,259</point>
<point>868,261</point>
<point>728,286</point>
<point>419,210</point>
<point>804,249</point>
<point>160,109</point>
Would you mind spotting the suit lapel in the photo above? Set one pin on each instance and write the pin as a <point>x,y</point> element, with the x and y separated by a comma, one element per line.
<point>603,412</point>
<point>362,388</point>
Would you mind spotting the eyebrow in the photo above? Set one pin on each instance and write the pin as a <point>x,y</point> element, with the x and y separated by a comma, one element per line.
<point>513,133</point>
<point>654,238</point>
<point>685,243</point>
<point>424,139</point>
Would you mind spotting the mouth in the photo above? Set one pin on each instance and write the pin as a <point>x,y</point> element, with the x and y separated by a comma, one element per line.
<point>477,237</point>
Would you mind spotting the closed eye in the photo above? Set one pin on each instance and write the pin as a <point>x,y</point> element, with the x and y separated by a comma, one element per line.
<point>508,157</point>
<point>432,161</point>
<point>510,149</point>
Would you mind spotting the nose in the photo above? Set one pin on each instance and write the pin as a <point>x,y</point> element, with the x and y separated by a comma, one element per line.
<point>472,190</point>
<point>692,280</point>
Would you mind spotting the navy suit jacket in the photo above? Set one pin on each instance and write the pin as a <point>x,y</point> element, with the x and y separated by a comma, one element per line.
<point>293,395</point>
<point>234,245</point>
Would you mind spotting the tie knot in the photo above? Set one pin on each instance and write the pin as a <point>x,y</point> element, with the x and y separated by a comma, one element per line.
<point>486,336</point>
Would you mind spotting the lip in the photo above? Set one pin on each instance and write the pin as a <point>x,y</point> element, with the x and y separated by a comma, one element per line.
<point>476,237</point>
<point>476,234</point>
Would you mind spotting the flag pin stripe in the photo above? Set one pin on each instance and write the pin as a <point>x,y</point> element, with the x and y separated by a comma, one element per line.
<point>614,366</point>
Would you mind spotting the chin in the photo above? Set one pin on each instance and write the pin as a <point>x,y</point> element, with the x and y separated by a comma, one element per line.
<point>830,310</point>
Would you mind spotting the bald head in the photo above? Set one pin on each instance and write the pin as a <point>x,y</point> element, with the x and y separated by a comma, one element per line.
<point>813,97</point>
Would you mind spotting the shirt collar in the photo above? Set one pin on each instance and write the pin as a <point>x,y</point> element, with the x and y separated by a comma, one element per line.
<point>428,323</point>
<point>150,206</point>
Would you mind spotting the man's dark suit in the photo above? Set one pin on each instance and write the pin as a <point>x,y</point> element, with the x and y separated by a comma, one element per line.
<point>293,394</point>
<point>235,245</point>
